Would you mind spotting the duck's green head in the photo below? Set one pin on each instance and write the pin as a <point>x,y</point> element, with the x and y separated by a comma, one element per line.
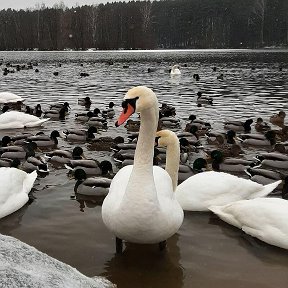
<point>80,174</point>
<point>77,152</point>
<point>199,164</point>
<point>217,156</point>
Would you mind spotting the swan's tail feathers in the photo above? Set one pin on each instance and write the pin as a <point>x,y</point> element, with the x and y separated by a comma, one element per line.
<point>267,189</point>
<point>37,123</point>
<point>29,181</point>
<point>221,212</point>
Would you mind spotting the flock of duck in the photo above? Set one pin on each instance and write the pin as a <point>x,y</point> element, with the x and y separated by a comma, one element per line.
<point>143,203</point>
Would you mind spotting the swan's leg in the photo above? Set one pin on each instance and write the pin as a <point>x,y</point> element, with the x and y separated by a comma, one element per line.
<point>119,245</point>
<point>162,245</point>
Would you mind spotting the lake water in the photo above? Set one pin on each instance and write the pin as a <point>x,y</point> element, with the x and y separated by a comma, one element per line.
<point>205,252</point>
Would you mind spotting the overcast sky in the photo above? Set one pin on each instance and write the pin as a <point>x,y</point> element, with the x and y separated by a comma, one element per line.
<point>23,4</point>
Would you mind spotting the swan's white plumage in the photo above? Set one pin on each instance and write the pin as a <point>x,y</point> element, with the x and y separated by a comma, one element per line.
<point>14,189</point>
<point>8,97</point>
<point>15,119</point>
<point>175,70</point>
<point>140,206</point>
<point>263,218</point>
<point>204,189</point>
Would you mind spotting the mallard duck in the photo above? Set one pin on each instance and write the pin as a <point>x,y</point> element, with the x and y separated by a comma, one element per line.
<point>110,111</point>
<point>8,97</point>
<point>15,119</point>
<point>239,125</point>
<point>19,152</point>
<point>64,156</point>
<point>43,140</point>
<point>7,162</point>
<point>60,106</point>
<point>263,176</point>
<point>56,114</point>
<point>281,148</point>
<point>268,139</point>
<point>132,125</point>
<point>140,206</point>
<point>14,189</point>
<point>32,163</point>
<point>261,126</point>
<point>278,119</point>
<point>90,166</point>
<point>80,135</point>
<point>96,121</point>
<point>273,159</point>
<point>105,143</point>
<point>37,110</point>
<point>175,70</point>
<point>5,141</point>
<point>203,99</point>
<point>92,186</point>
<point>86,101</point>
<point>204,189</point>
<point>263,218</point>
<point>220,163</point>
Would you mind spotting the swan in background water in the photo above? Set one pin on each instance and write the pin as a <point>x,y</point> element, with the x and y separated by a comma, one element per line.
<point>15,119</point>
<point>8,97</point>
<point>140,206</point>
<point>204,189</point>
<point>14,189</point>
<point>175,70</point>
<point>263,218</point>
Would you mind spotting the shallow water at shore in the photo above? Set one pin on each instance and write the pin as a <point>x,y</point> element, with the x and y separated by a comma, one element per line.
<point>206,251</point>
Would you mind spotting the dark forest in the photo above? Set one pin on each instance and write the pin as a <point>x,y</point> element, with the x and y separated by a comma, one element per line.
<point>166,24</point>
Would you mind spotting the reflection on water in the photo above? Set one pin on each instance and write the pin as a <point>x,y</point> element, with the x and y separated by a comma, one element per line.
<point>206,252</point>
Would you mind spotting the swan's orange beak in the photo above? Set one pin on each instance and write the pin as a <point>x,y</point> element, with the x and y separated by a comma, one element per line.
<point>126,113</point>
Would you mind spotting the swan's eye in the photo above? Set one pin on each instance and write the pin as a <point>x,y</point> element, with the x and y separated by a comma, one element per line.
<point>132,102</point>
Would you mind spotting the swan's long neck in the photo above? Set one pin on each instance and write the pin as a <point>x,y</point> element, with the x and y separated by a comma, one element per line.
<point>172,162</point>
<point>141,183</point>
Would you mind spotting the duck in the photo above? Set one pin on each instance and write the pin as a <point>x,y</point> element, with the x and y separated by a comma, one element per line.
<point>86,101</point>
<point>37,110</point>
<point>45,141</point>
<point>278,119</point>
<point>261,126</point>
<point>16,119</point>
<point>263,218</point>
<point>203,99</point>
<point>238,125</point>
<point>175,70</point>
<point>221,163</point>
<point>56,114</point>
<point>59,106</point>
<point>5,141</point>
<point>7,162</point>
<point>140,206</point>
<point>63,156</point>
<point>92,186</point>
<point>15,186</point>
<point>96,121</point>
<point>273,159</point>
<point>19,152</point>
<point>207,188</point>
<point>105,143</point>
<point>35,164</point>
<point>90,166</point>
<point>268,139</point>
<point>110,111</point>
<point>80,135</point>
<point>8,97</point>
<point>263,176</point>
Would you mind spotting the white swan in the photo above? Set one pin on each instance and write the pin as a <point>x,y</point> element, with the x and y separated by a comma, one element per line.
<point>15,119</point>
<point>140,206</point>
<point>263,218</point>
<point>8,97</point>
<point>204,189</point>
<point>14,189</point>
<point>175,70</point>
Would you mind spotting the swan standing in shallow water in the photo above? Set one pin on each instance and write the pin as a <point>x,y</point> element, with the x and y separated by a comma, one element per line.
<point>15,119</point>
<point>204,189</point>
<point>14,189</point>
<point>140,206</point>
<point>263,218</point>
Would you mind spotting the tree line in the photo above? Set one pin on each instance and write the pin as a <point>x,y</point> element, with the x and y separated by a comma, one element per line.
<point>167,24</point>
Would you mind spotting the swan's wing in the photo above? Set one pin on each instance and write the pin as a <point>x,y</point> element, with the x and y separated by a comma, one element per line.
<point>117,188</point>
<point>264,218</point>
<point>214,188</point>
